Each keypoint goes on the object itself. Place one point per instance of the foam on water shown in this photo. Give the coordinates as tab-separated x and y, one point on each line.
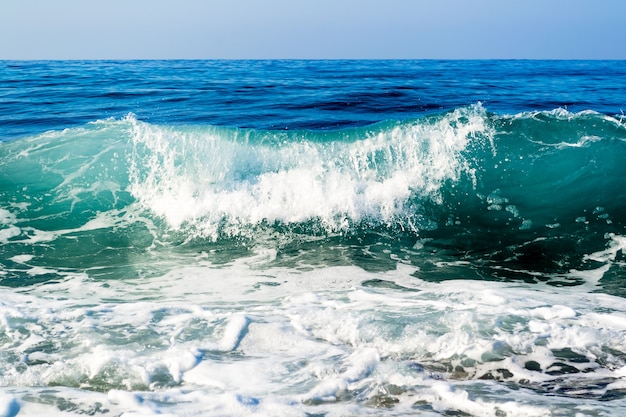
242	341
223	180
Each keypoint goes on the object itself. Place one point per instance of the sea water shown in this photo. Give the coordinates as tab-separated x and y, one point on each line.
312	238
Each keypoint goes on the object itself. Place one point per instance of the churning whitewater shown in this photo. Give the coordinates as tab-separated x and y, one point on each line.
466	259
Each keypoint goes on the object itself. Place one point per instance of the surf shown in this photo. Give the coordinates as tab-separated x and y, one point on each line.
536	192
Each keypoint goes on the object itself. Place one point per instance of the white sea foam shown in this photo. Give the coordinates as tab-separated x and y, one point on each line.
218	341
221	180
616	244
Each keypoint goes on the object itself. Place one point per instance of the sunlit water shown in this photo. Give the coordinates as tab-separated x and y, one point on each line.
312	238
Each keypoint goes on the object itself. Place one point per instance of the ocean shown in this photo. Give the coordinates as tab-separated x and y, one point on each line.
312	238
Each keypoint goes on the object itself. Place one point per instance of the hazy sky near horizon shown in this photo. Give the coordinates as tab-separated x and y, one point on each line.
320	29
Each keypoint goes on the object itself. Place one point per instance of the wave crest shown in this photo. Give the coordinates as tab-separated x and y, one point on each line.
219	180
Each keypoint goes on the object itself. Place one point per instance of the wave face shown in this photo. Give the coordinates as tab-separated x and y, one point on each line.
526	196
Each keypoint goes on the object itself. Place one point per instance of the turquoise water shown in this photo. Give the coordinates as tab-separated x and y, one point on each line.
312	238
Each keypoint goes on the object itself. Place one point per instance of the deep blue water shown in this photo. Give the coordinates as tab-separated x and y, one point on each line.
41	95
312	237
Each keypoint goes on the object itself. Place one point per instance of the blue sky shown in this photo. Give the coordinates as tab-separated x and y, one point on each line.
258	29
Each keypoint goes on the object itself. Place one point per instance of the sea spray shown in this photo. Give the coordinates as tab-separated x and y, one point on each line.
221	180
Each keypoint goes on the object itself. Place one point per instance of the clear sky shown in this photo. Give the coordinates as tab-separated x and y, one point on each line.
212	29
